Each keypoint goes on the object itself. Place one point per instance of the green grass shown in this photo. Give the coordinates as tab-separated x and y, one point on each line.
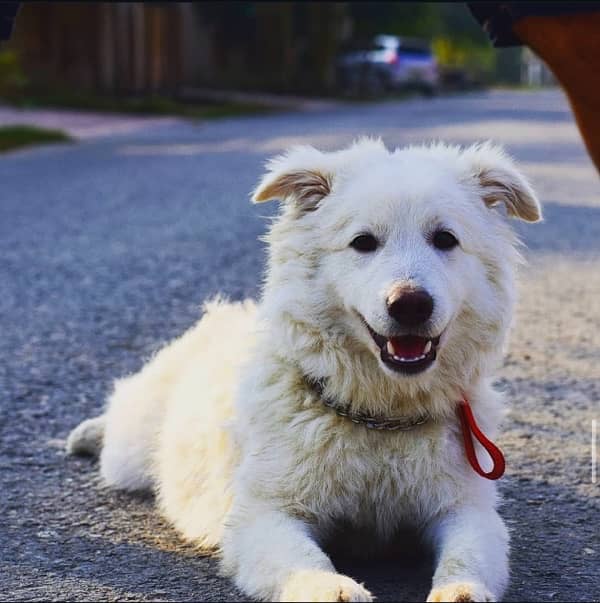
15	137
149	105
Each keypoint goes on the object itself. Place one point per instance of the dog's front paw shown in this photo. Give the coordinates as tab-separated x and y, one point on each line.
460	591
323	586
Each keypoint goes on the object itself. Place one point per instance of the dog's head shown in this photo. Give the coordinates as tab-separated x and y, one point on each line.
405	256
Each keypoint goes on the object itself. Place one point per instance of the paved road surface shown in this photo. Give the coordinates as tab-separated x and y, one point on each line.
80	124
109	246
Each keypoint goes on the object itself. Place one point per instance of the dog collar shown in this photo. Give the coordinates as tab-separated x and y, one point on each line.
469	426
369	421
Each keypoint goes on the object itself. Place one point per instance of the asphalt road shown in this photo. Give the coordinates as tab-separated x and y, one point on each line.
107	249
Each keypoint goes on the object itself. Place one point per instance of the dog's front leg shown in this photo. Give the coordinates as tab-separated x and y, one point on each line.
275	558
472	551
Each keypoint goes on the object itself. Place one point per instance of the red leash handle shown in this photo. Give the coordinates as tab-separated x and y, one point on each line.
470	429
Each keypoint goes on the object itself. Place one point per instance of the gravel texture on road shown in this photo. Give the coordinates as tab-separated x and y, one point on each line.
108	248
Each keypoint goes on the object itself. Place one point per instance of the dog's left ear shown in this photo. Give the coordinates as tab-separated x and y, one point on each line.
501	182
299	177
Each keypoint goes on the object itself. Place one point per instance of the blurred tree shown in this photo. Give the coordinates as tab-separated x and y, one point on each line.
459	24
400	18
325	19
274	55
509	62
462	43
231	28
12	78
278	46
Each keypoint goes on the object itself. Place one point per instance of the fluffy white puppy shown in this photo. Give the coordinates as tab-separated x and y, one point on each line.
388	297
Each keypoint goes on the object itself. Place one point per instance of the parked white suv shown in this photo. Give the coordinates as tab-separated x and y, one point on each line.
387	63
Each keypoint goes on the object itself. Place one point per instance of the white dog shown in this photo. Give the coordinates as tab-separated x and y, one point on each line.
388	298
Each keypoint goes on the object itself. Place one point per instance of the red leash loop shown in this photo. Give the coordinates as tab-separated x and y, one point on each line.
470	429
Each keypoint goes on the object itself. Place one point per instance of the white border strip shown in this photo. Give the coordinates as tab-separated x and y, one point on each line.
594	451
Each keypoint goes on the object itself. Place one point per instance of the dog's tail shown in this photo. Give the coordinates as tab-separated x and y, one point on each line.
87	437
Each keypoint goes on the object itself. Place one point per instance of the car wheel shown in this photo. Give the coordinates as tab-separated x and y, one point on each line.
373	84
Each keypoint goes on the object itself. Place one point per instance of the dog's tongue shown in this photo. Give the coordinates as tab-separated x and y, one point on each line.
408	346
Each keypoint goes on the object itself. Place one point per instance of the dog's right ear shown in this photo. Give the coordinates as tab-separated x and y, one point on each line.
299	177
500	182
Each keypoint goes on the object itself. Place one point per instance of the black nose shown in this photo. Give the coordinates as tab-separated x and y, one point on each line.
410	308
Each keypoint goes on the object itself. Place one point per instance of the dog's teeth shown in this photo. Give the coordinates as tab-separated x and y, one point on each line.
427	347
390	348
402	359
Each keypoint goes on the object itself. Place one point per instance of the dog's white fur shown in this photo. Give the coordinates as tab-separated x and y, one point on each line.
245	458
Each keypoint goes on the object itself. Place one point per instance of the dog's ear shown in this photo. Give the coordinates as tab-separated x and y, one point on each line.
299	177
500	182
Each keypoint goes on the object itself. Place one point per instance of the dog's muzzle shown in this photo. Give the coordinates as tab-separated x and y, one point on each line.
409	354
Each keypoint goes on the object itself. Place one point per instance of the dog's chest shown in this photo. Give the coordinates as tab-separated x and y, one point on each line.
374	479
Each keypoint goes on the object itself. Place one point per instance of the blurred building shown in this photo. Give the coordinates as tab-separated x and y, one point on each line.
123	47
108	47
171	48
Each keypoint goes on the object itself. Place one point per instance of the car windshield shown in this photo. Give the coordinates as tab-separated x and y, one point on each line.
384	42
416	50
362	45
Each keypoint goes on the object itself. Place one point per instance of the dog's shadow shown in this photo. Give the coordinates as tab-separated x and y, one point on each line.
120	546
400	571
134	551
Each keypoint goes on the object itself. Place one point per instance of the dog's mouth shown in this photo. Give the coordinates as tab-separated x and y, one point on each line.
408	354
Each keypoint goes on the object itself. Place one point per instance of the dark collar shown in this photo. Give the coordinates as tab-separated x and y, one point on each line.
369	421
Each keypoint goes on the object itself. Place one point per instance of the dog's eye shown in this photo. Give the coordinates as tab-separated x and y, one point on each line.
444	240
364	243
